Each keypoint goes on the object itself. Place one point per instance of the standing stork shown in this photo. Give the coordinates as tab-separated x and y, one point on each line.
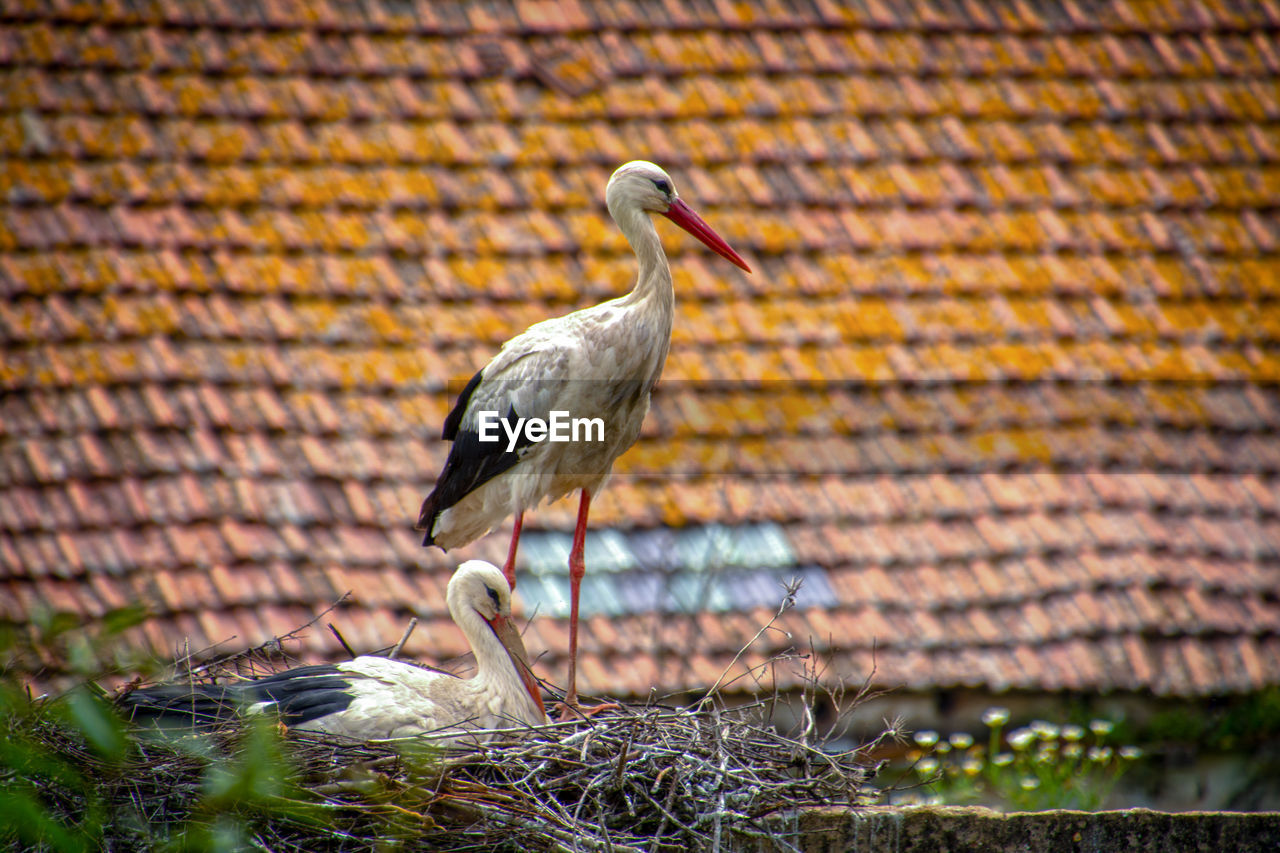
372	697
600	362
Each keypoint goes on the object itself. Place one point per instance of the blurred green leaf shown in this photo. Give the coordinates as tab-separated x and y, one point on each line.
98	722
14	701
53	624
421	757
82	656
123	619
259	774
10	635
23	815
29	759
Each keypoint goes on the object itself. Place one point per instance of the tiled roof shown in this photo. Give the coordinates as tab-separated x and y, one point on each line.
1004	387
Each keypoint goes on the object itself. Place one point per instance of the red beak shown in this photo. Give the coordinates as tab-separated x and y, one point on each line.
683	215
507	634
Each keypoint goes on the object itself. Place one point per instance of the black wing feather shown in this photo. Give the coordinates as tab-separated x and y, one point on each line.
171	704
454	419
471	462
299	695
305	693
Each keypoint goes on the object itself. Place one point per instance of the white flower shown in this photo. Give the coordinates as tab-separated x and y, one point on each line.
927	766
1043	730
971	766
926	738
1030	783
1101	727
1072	750
1021	738
1130	753
1002	759
961	740
995	716
1099	754
1072	732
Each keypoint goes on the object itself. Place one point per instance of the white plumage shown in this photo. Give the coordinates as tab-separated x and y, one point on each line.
370	697
600	362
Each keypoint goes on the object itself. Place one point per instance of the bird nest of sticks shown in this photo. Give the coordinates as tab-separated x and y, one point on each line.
649	777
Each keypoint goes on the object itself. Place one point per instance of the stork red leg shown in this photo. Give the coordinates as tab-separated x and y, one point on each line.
509	567
576	570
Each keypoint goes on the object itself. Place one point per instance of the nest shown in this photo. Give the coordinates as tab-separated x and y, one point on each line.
641	777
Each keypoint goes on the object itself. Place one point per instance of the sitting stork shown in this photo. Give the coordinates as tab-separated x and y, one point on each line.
371	698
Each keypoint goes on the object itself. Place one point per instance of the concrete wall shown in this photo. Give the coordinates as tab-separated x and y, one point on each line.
977	830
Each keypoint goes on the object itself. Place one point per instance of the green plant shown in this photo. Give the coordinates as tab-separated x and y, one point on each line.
1239	723
47	797
72	773
1033	767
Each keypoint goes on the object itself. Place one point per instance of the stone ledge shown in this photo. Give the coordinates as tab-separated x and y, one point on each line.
953	829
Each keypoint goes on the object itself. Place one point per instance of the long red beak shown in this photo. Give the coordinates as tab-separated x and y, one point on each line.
507	634
683	215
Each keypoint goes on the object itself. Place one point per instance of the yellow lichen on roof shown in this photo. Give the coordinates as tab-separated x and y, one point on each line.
873	319
1022	445
867	363
27	180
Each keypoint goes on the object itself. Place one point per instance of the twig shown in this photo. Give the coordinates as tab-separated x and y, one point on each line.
275	642
395	650
342	641
622	756
788	602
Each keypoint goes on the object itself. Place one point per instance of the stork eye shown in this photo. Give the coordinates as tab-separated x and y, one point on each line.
663	186
493	594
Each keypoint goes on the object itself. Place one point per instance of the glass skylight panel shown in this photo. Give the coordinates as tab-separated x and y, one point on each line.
609	551
544	595
713	568
815	589
692	592
547	551
655	549
640	592
715	546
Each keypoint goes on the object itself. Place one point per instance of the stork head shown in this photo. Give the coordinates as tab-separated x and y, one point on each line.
641	185
482	587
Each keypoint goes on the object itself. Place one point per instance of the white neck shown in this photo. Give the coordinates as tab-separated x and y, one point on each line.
491	656
495	670
653	283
